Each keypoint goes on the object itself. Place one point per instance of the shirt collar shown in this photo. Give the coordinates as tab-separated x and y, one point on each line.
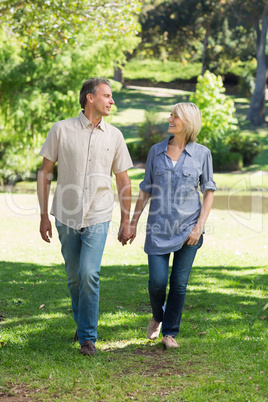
190	148
86	123
163	146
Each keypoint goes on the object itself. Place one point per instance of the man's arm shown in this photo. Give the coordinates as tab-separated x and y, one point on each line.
124	194
43	187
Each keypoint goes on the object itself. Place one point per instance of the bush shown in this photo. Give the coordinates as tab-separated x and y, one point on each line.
217	111
218	122
150	132
224	160
247	146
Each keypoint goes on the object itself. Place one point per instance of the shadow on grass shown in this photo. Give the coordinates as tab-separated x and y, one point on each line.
37	328
35	299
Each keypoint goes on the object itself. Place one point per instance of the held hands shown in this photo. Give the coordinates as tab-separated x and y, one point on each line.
127	232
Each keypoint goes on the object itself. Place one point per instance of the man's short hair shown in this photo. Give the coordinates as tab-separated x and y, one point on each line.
90	86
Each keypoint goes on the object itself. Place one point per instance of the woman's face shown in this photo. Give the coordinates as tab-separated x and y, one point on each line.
176	125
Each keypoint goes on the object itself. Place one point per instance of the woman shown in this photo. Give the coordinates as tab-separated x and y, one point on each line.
174	169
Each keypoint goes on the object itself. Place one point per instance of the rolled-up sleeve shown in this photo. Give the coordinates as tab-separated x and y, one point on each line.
206	180
146	184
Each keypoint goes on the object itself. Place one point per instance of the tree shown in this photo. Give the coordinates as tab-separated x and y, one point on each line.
179	29
57	23
256	113
41	69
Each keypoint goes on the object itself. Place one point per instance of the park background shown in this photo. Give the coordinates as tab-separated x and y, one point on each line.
157	53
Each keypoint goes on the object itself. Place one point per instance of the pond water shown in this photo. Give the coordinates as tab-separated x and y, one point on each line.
252	202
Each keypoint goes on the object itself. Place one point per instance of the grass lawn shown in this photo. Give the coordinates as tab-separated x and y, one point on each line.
223	338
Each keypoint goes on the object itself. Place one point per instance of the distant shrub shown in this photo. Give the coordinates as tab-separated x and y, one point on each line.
224	160
150	132
246	84
218	122
246	72
247	146
217	111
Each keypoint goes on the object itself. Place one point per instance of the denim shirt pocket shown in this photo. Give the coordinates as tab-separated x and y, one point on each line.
159	176
189	182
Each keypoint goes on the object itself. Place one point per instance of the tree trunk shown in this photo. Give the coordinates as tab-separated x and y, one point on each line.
118	75
256	112
205	43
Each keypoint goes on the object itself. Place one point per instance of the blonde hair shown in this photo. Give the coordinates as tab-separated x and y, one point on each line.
191	116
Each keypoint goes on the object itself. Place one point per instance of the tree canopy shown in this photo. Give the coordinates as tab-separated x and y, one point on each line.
47	49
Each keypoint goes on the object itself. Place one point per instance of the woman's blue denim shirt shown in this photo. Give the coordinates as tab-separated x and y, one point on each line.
175	203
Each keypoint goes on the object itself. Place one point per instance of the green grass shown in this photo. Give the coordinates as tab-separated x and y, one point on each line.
157	70
221	356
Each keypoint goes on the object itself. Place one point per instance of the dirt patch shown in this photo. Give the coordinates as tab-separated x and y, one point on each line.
15	393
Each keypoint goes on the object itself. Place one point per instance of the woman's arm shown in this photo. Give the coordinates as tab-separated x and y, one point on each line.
139	207
195	234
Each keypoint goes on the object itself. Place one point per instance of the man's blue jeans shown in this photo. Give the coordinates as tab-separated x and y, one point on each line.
82	252
170	313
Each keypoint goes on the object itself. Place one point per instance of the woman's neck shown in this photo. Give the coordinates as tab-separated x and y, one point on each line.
178	142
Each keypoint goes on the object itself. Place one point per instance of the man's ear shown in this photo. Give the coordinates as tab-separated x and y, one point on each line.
89	98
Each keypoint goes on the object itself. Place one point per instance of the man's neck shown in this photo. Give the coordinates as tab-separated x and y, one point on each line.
95	120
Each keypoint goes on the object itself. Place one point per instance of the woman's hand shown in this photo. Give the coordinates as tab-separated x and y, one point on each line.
194	236
134	231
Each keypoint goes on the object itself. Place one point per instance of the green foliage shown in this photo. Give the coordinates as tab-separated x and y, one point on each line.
218	120
224	160
43	25
247	146
196	30
151	132
41	71
217	111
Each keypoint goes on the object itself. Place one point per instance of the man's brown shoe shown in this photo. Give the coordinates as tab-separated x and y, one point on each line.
88	348
169	342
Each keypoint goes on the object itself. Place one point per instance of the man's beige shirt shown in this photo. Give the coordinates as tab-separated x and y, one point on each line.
86	158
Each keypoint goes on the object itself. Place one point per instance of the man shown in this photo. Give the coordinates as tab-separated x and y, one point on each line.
87	150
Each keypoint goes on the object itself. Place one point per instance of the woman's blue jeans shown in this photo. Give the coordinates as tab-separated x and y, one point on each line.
82	252
170	312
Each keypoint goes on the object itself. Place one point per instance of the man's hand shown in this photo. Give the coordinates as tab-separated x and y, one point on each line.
125	233
45	228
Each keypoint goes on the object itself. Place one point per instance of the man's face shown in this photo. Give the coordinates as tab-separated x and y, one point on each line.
102	101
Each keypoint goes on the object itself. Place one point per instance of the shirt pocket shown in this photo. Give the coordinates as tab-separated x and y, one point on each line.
159	177
189	181
107	155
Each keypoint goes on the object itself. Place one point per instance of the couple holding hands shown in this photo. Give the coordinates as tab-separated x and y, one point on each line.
88	150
